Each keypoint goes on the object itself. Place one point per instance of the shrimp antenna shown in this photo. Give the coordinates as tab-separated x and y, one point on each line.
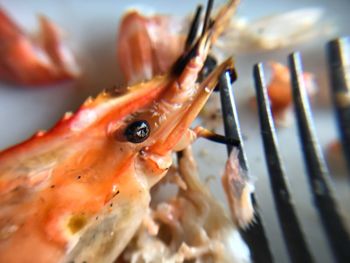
182	61
207	16
194	28
214	137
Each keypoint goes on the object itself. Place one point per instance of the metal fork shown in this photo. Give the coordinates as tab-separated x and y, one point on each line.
317	172
339	68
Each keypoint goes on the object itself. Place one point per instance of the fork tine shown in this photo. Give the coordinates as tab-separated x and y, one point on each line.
293	235
255	235
194	28
317	171
339	71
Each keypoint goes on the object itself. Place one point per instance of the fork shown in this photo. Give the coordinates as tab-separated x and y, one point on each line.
317	172
339	68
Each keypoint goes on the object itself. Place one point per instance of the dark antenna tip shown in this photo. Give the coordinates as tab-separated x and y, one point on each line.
207	16
194	28
233	75
190	53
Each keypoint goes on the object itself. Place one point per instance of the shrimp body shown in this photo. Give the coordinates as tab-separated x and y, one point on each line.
78	192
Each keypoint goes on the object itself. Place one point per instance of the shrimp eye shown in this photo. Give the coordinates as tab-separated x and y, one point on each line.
137	132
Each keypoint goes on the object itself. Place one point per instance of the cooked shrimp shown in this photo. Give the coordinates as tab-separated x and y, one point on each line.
80	191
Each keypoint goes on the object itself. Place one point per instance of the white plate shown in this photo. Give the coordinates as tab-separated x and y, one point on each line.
92	27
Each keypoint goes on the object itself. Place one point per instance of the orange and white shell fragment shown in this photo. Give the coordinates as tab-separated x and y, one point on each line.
148	46
28	62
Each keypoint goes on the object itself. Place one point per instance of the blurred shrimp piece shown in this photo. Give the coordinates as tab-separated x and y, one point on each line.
275	31
26	62
148	45
238	191
335	157
280	92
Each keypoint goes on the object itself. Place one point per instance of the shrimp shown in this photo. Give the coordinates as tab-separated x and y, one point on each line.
27	63
79	192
